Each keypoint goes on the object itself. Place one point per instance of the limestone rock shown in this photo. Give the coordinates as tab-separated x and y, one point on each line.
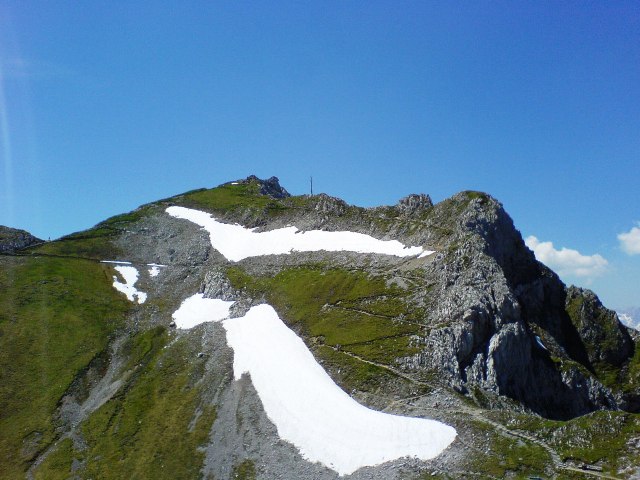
414	202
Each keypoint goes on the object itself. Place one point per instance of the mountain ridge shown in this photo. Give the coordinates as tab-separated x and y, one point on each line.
479	324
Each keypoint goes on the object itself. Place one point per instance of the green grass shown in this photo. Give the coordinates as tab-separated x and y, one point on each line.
245	470
56	315
600	437
57	466
227	198
508	455
625	379
150	428
338	312
351	373
339	308
632	377
95	243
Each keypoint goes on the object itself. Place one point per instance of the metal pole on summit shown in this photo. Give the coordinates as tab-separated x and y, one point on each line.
311	179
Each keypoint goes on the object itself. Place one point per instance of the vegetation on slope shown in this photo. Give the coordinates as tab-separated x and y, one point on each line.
227	198
613	353
604	438
56	315
97	243
505	455
153	427
245	470
344	316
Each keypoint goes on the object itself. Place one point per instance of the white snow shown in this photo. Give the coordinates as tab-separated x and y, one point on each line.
307	407
119	262
197	309
236	242
155	269
130	275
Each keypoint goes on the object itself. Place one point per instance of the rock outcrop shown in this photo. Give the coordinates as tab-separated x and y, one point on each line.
414	202
270	186
507	327
12	239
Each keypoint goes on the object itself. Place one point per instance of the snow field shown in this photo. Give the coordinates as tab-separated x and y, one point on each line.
307	407
130	276
236	242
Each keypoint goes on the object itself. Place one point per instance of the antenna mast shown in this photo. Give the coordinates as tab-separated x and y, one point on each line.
311	180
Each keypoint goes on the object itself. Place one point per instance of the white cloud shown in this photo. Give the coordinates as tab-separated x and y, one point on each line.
567	261
630	241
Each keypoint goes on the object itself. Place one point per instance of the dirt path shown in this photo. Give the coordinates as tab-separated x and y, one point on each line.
478	414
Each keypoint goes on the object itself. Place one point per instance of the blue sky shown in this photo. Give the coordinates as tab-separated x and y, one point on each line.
108	105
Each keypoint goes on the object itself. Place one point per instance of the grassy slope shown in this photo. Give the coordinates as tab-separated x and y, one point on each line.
226	198
97	242
601	437
341	311
55	316
58	311
153	427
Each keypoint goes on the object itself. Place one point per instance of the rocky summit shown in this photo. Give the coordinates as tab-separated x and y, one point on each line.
240	332
12	239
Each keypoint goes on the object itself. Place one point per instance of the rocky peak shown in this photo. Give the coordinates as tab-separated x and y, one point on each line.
12	239
496	235
270	186
327	204
414	202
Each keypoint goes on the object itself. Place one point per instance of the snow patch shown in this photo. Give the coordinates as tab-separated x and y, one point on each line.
197	309
119	262
307	407
155	269
236	242
130	275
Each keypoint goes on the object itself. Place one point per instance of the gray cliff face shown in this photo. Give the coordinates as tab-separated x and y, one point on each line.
12	239
506	328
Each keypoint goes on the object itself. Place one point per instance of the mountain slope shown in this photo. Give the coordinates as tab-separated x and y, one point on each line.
477	335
